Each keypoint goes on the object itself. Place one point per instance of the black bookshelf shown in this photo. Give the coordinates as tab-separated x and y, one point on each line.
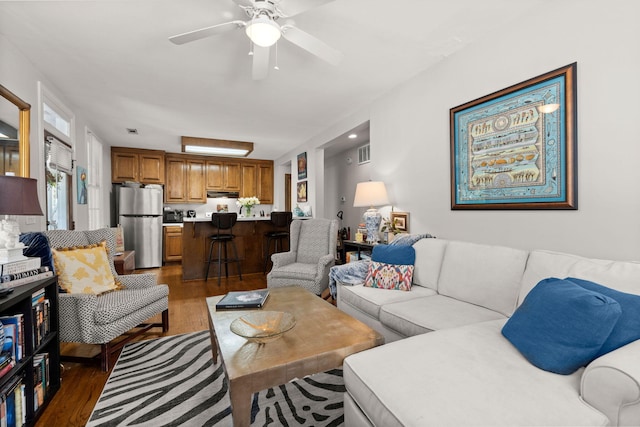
20	301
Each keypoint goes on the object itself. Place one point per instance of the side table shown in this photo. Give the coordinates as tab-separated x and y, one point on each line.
353	245
125	263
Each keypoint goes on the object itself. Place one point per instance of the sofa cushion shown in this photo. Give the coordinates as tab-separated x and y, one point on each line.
561	326
116	305
403	255
429	255
84	269
389	276
451	378
618	275
426	314
627	329
369	300
296	270
488	276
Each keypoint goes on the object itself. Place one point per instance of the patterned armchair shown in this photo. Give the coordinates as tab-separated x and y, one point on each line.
92	319
312	253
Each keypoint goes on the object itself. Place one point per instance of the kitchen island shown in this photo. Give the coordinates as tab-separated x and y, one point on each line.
250	241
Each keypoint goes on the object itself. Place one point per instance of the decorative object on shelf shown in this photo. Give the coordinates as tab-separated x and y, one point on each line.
247	203
302	165
516	148
263	326
371	193
18	196
297	211
301	190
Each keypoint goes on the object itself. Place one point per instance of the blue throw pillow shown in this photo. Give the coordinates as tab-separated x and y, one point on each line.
404	255
628	327
561	326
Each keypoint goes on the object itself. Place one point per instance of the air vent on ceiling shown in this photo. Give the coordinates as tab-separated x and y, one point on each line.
132	131
364	154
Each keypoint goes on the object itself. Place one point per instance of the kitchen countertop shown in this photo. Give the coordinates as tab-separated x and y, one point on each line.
240	218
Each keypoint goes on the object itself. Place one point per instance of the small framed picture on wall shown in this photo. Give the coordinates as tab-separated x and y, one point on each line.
301	191
302	166
400	221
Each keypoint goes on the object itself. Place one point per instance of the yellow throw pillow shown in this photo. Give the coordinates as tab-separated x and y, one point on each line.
84	269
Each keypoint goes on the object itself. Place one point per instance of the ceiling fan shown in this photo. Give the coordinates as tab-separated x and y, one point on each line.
264	31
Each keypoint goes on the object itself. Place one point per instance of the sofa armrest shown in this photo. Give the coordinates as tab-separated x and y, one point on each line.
76	316
138	280
281	259
611	384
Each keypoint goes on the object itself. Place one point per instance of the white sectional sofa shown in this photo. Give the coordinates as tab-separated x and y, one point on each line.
446	363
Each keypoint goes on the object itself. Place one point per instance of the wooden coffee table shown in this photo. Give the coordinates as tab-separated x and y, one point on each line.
322	338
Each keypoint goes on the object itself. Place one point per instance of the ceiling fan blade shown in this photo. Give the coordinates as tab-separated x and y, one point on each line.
294	7
260	62
206	32
312	44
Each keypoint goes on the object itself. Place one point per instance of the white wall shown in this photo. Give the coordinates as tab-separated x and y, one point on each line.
21	77
340	180
410	130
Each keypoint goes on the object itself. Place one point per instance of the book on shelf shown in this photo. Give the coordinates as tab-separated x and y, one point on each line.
243	299
12	398
15	276
13	267
26	280
14	327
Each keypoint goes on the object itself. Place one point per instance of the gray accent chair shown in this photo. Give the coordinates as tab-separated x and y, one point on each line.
312	253
92	319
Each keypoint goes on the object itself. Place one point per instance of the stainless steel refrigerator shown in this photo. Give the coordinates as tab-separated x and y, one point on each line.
140	215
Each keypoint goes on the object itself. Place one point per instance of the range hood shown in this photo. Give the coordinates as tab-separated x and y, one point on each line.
218	194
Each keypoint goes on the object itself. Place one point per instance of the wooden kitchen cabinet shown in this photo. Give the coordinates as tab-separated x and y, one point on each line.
172	243
139	165
257	180
185	179
223	175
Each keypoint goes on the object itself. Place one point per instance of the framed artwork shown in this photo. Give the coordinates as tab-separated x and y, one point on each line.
302	165
82	185
516	148
401	221
301	191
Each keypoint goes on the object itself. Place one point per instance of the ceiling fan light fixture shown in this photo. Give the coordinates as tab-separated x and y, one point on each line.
263	31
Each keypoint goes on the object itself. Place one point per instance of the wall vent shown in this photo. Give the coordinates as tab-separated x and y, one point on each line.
132	131
364	154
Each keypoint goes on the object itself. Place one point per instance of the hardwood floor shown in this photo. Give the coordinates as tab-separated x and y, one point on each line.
82	383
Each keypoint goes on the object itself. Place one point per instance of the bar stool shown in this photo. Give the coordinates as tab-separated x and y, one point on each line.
223	222
279	220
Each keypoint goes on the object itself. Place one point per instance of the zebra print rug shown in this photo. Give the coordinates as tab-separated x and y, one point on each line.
172	381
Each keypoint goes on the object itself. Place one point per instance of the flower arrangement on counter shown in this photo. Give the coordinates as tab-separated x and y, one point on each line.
247	203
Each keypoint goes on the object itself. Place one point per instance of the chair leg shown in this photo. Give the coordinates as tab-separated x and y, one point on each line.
219	263
206	277
165	321
266	255
237	258
226	261
105	356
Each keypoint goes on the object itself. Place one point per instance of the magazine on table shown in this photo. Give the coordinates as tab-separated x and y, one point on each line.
243	299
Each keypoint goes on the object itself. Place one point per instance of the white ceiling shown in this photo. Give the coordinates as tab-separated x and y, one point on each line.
112	62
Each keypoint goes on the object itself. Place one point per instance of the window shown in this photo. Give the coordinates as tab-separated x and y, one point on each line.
57	120
58	170
58	123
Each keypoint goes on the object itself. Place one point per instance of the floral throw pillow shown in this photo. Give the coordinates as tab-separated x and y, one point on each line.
84	269
389	276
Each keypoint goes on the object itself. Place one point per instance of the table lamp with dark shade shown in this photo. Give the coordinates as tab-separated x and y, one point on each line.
18	196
